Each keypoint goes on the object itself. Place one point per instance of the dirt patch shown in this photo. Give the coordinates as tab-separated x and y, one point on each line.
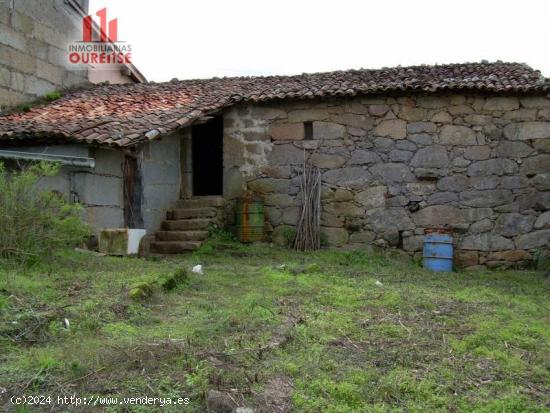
29	323
276	396
236	375
416	339
148	355
120	310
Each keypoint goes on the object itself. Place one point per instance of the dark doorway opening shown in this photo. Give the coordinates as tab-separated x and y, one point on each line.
207	150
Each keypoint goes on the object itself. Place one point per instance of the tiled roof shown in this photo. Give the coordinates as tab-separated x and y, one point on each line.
123	115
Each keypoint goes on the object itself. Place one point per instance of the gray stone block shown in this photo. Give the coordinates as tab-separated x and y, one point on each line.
535	239
327	161
457	135
392	173
514	224
484	182
485	225
501	103
335	236
535	165
269	185
374	197
387	219
487	198
286	154
393	128
442	198
432	157
328	130
438	215
350	177
419	127
363	157
542	181
486	242
543	221
400	156
476	214
477	153
513	150
454	183
527	130
493	167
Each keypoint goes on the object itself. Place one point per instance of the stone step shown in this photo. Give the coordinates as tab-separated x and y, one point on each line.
186	224
185	213
174	247
181	235
200	202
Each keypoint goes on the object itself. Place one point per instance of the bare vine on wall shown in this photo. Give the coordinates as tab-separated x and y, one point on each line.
308	229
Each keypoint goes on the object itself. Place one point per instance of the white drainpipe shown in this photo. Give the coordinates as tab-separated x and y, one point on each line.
75	161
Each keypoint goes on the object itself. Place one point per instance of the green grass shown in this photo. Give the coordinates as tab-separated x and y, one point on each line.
261	316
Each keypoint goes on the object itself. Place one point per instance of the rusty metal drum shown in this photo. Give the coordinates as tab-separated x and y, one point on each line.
249	220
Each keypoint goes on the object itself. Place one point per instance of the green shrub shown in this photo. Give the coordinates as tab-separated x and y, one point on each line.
35	223
179	277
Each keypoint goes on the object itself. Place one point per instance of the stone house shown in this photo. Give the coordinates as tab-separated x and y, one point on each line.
400	149
33	51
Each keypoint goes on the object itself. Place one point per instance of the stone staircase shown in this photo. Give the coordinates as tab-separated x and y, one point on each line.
186	226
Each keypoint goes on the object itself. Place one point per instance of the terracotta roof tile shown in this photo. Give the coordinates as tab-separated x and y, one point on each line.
123	115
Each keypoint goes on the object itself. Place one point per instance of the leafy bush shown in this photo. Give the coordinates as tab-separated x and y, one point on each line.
35	223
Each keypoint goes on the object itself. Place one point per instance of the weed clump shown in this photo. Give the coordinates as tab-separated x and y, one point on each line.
145	290
142	291
50	97
179	277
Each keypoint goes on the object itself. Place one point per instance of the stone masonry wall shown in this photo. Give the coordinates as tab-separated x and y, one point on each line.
33	46
392	166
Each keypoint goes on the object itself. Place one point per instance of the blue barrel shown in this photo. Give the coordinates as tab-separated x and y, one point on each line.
438	252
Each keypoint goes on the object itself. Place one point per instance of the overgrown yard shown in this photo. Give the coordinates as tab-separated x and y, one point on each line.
276	331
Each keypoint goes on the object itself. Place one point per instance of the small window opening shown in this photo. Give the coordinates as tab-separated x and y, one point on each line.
308	130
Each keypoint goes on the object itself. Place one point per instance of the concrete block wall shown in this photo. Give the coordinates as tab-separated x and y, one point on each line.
161	179
33	46
99	190
392	166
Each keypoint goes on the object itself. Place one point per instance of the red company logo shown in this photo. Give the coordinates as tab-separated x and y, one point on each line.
99	44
